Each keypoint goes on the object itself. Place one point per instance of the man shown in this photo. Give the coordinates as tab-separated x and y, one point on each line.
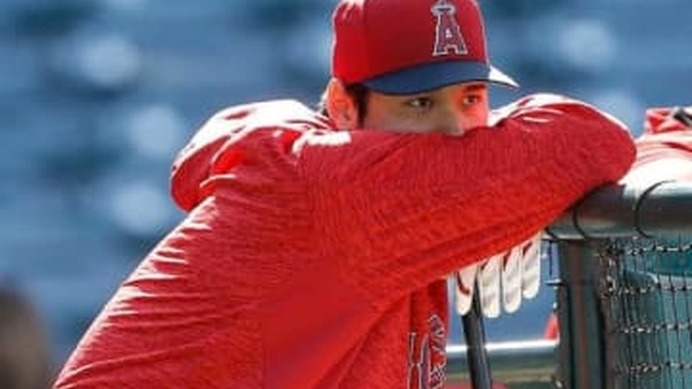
316	248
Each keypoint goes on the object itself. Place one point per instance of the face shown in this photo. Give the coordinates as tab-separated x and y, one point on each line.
451	110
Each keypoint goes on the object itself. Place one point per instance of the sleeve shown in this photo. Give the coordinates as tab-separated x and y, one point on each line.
399	211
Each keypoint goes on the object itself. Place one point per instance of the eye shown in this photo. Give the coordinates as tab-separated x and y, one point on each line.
471	99
422	103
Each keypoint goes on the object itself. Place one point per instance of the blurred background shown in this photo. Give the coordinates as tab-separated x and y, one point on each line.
97	96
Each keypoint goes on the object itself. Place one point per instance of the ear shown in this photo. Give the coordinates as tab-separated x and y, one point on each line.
340	106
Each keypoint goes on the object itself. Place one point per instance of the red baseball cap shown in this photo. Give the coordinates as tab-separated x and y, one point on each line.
411	46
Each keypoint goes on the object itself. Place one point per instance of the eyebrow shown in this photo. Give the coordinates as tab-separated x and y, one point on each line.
476	87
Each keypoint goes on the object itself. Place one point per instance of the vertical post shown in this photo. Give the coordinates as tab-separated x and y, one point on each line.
476	354
582	353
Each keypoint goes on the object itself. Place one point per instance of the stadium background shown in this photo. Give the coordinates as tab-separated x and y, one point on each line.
97	96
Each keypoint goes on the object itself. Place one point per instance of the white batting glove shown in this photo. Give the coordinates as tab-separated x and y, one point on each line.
504	280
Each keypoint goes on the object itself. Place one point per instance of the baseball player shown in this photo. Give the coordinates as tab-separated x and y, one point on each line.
316	247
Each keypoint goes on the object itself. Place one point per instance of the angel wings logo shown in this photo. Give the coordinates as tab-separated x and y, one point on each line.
448	37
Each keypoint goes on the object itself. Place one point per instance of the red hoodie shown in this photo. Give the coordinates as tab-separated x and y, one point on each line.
313	258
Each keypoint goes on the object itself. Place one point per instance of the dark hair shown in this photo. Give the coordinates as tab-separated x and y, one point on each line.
359	93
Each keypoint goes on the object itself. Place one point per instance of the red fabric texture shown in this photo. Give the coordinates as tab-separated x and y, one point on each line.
313	258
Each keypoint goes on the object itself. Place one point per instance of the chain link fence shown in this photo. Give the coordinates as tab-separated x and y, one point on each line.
647	300
625	289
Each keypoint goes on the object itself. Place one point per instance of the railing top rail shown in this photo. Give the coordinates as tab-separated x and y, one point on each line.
657	210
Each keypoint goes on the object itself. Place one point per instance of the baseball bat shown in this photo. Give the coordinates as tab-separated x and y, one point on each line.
476	354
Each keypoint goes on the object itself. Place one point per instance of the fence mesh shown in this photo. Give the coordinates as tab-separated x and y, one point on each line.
646	300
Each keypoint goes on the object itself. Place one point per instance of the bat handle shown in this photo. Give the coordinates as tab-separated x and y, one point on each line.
476	354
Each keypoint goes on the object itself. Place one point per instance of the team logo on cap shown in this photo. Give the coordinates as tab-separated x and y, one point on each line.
448	38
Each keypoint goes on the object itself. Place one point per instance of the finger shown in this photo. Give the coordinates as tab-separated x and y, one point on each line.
511	279
531	267
489	286
464	290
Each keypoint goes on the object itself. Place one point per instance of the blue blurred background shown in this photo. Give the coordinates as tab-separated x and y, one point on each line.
97	96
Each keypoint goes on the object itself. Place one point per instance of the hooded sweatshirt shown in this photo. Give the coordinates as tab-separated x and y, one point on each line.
316	258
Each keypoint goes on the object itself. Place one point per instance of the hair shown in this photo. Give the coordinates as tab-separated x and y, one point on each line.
359	93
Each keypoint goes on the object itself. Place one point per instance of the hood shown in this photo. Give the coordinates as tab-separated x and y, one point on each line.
215	148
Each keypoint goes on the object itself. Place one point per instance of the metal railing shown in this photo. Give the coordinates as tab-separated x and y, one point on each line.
624	292
523	364
624	295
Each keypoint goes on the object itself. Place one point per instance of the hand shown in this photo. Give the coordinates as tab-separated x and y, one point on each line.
503	280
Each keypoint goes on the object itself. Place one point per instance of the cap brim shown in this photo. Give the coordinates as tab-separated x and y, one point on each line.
437	75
